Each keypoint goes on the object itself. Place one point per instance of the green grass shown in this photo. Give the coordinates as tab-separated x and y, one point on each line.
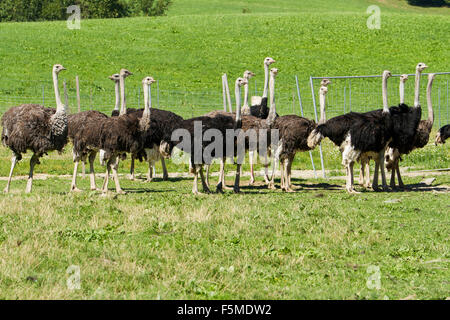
160	241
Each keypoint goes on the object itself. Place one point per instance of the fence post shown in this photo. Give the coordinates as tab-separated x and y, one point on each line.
439	104
78	93
315	114
345	88
224	95
157	92
66	98
301	111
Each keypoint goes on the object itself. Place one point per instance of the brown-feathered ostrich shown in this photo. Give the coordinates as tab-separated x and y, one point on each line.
198	147
259	107
442	135
85	134
421	138
368	134
253	128
293	137
36	128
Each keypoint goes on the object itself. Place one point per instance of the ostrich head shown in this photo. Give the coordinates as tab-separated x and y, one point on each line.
125	73
323	90
148	80
421	66
248	75
274	72
403	78
387	74
115	77
57	68
268	61
325	83
241	82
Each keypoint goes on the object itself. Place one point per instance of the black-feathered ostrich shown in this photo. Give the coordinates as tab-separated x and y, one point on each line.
442	135
293	137
364	173
36	128
162	122
421	138
119	135
368	134
223	122
259	107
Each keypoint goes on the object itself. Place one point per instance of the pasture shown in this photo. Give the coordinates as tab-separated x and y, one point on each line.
161	242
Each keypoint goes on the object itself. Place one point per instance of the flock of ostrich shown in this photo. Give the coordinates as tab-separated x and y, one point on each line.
146	134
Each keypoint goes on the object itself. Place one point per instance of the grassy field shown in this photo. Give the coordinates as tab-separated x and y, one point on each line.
160	241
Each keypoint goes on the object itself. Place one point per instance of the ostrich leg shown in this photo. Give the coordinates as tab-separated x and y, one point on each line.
73	187
131	168
392	182
91	170
165	173
106	180
13	164
33	161
236	188
400	181
204	185
252	169
289	172
114	168
195	186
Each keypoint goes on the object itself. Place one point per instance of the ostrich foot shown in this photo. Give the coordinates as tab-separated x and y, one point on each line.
121	192
131	177
149	180
219	188
352	190
6	190
236	190
271	186
165	177
252	181
266	180
74	189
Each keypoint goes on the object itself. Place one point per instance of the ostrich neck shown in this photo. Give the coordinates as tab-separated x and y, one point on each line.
429	102
417	89
123	107
273	109
385	98
323	117
246	95
266	80
117	90
237	91
146	106
402	92
59	106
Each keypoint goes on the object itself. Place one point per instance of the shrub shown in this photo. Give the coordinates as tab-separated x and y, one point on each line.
36	10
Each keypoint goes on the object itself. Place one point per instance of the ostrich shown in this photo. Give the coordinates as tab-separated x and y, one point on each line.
259	104
245	107
85	134
116	78
421	138
252	124
119	135
442	134
293	134
364	174
222	122
36	128
368	134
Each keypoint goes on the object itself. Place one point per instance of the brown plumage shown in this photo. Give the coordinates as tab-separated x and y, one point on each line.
35	128
85	132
